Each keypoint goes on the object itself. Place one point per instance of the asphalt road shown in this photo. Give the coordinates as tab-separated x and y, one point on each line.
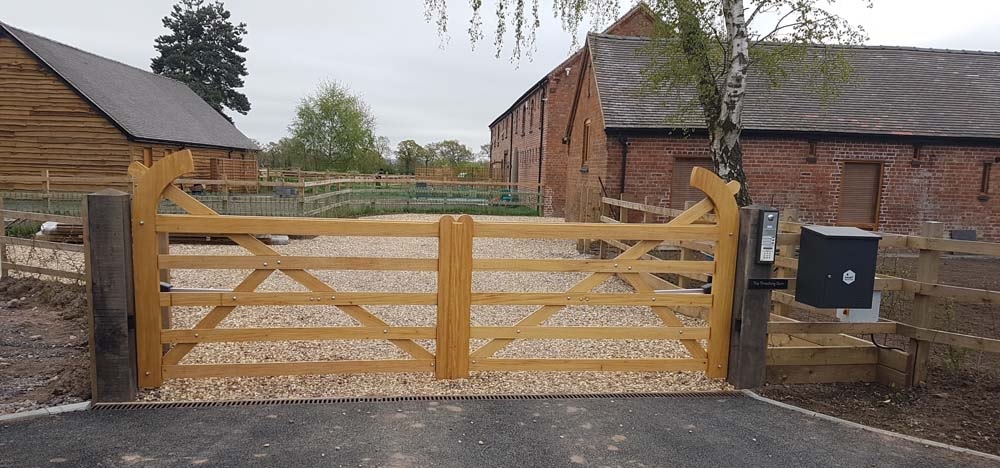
716	431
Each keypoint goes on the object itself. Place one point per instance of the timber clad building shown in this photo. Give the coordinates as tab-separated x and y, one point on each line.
74	113
912	138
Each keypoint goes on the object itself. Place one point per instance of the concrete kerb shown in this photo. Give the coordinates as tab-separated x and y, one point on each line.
50	411
876	430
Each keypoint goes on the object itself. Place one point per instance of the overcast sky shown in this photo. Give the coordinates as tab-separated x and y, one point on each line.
385	51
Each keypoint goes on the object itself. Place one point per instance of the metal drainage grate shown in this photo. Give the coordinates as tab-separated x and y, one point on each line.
382	399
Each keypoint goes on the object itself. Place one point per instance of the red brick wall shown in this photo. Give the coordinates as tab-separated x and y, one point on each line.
559	92
944	187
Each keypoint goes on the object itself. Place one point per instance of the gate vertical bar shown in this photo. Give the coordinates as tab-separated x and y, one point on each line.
454	306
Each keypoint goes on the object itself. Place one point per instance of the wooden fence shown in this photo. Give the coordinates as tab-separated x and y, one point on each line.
8	264
452	356
832	351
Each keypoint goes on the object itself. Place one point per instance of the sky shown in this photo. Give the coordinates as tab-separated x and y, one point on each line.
417	87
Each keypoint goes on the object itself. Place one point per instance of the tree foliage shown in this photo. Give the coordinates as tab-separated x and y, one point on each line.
707	46
336	131
409	154
204	50
451	153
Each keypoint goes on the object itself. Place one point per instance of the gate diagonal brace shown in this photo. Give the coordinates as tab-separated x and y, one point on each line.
635	252
192	206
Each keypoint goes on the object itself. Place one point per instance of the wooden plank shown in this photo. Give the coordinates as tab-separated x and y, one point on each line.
454	297
926	242
957	293
831	328
278	262
608	266
200	224
893	359
592	333
268	369
596	231
219	335
975	343
595	299
821	374
42	217
45	271
890	377
593	365
315	298
41	244
820	355
111	296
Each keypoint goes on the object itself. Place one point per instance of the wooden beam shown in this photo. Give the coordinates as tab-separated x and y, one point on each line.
607	266
267	369
789	328
974	343
219	335
199	224
186	299
596	231
454	297
279	262
820	355
821	374
592	333
594	365
595	299
928	264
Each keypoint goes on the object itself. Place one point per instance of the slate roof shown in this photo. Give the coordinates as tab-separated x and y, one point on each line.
143	104
895	91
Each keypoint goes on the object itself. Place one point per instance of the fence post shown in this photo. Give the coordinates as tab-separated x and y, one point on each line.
454	314
751	307
923	306
110	287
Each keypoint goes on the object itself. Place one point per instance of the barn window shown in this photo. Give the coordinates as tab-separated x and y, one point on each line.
586	143
984	185
524	117
860	190
532	118
681	190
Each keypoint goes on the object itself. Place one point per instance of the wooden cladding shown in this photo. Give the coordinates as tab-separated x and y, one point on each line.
860	190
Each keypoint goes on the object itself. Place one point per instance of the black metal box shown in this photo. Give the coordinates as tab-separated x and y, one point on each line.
836	267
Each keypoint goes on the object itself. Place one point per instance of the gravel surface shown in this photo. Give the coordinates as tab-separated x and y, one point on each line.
412	383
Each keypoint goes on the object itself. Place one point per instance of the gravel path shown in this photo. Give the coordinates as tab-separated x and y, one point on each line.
405	384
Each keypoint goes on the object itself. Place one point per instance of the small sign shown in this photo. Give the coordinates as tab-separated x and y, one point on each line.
769	283
849	276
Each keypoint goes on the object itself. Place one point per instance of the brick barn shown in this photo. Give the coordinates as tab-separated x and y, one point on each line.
77	114
912	138
526	140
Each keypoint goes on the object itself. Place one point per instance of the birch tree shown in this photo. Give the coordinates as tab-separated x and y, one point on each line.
705	45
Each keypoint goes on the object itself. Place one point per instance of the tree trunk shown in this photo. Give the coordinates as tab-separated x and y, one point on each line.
727	154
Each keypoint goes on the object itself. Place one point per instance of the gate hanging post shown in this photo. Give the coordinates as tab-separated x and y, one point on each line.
108	251
454	301
751	307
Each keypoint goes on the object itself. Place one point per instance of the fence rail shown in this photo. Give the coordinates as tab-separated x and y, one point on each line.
8	264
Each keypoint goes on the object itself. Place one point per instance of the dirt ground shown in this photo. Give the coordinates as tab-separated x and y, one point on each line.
960	402
43	344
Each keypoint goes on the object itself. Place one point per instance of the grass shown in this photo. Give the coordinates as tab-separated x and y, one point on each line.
445	209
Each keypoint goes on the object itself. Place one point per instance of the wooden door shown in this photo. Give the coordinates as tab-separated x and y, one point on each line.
680	184
860	190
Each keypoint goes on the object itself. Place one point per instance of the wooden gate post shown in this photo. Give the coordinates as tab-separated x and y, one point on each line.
108	238
923	305
751	307
454	302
